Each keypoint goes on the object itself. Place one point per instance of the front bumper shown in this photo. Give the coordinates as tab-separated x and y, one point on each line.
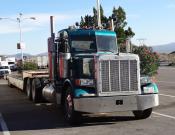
116	103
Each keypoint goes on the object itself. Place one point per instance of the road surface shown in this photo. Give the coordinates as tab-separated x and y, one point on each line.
19	116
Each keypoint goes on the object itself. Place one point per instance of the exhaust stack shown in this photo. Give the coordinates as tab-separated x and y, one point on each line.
112	24
52	29
98	13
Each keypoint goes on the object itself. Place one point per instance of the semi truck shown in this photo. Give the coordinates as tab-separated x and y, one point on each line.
87	74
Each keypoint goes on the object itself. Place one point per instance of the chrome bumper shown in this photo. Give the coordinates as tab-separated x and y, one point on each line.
116	103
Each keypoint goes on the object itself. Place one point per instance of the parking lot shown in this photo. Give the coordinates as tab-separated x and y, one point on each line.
19	116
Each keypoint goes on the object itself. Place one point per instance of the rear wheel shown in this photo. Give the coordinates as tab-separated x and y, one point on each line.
142	114
28	88
71	116
36	90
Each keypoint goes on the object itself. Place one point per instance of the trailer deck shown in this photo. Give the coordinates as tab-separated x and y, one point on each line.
17	79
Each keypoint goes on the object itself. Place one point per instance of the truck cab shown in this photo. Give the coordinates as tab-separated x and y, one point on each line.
4	69
89	75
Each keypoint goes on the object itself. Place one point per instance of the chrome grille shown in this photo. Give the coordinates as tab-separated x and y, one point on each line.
133	74
114	75
105	76
124	75
118	75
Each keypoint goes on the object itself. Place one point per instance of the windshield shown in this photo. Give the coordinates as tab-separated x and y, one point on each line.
11	63
107	44
83	44
4	67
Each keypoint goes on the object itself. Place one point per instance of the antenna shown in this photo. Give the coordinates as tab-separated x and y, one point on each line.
98	13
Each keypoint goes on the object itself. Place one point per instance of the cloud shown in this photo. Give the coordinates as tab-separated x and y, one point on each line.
42	21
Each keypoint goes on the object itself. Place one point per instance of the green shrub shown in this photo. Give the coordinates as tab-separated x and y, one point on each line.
149	60
30	66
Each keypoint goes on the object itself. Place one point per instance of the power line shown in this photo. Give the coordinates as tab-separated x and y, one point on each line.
141	41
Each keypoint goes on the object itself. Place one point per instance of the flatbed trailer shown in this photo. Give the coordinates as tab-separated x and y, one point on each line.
20	80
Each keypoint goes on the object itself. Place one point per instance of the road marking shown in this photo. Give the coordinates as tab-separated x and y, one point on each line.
167	95
3	125
172	68
166	82
164	115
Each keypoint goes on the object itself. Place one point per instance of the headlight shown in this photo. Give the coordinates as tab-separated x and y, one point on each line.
83	93
151	88
84	82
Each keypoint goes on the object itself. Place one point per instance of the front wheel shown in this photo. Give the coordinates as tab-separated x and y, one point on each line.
71	116
142	114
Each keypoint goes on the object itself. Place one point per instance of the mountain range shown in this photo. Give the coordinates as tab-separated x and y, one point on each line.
166	48
18	55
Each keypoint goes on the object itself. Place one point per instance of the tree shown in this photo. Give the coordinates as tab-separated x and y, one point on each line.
91	21
119	16
87	21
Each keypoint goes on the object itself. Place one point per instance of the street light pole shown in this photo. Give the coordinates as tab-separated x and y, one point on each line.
20	36
19	20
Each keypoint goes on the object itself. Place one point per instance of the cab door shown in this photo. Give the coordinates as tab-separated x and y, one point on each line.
63	54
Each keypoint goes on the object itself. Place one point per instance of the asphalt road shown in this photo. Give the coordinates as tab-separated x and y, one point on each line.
19	116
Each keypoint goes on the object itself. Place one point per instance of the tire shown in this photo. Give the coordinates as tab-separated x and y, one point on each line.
142	114
9	84
36	91
28	88
5	77
71	116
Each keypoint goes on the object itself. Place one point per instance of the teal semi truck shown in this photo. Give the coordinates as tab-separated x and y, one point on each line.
87	74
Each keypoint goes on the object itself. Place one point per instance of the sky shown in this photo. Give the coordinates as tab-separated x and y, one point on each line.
152	20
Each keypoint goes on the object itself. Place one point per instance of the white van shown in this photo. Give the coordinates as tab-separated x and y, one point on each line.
4	69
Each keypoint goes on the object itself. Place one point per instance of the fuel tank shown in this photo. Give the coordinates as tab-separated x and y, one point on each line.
49	93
